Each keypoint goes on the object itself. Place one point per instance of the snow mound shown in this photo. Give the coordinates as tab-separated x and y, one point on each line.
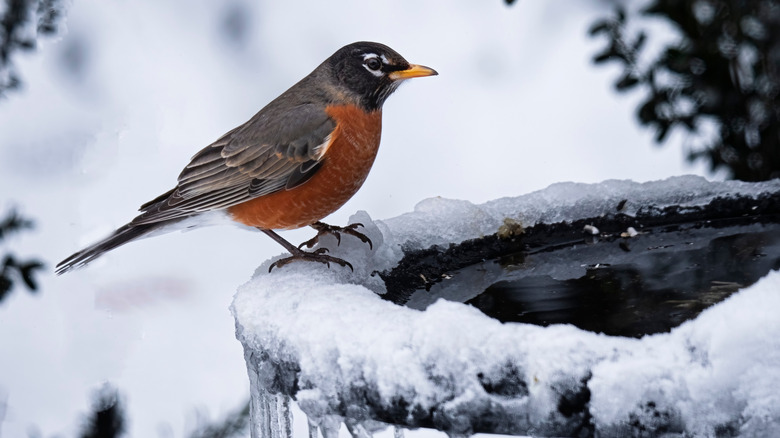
439	221
324	337
337	348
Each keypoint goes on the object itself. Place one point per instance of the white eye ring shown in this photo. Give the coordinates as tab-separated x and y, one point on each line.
373	64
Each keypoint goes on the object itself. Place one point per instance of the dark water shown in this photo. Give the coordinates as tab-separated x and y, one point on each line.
650	293
625	286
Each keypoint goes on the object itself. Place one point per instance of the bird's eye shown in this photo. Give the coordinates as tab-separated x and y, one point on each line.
373	64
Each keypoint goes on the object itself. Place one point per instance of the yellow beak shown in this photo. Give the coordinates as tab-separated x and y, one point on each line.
414	71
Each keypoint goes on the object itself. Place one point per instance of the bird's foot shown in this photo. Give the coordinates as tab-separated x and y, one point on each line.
314	256
323	229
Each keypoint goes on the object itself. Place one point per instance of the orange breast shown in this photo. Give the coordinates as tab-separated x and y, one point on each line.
346	165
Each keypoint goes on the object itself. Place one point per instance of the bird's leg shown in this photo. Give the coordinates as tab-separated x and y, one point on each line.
323	228
299	254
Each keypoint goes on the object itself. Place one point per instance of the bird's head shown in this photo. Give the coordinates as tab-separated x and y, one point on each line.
372	71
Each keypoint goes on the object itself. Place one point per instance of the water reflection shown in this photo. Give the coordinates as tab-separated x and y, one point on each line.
627	287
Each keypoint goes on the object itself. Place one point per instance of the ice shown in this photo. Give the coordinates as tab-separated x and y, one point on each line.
271	414
324	336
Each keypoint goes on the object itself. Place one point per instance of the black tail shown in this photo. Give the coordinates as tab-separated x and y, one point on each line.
118	238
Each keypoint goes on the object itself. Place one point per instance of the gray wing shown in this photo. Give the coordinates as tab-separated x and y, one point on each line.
264	155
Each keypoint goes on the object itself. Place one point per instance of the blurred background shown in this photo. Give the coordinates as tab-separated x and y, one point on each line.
103	102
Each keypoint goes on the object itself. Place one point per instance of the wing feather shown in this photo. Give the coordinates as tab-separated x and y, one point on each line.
209	155
257	158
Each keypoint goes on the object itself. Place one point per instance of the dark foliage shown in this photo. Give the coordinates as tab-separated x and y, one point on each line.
234	425
723	70
107	419
13	223
21	21
11	268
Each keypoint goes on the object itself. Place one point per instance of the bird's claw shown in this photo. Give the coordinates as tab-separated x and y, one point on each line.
319	254
323	228
314	256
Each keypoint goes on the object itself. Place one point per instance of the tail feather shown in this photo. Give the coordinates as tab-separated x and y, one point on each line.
118	238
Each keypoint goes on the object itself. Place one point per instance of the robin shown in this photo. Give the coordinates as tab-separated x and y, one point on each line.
293	163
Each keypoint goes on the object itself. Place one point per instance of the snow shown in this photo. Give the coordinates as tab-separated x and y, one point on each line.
630	232
590	229
439	221
343	343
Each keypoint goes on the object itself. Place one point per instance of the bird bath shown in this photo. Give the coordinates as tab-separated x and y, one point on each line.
617	319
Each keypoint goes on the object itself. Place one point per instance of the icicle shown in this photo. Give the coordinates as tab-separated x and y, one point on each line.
357	429
398	432
271	417
313	428
330	425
